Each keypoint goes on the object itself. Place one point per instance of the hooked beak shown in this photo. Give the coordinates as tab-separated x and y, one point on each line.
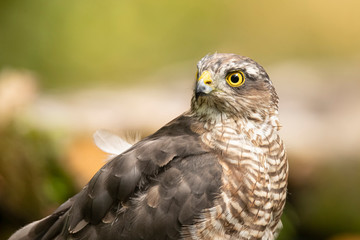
204	84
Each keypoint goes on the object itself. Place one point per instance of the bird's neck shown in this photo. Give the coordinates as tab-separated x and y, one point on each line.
253	130
255	121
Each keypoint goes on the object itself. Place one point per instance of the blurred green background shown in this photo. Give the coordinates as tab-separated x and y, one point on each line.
68	68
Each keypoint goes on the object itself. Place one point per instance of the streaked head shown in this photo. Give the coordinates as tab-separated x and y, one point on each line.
233	85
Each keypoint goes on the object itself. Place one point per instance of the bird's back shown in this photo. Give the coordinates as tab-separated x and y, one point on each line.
149	192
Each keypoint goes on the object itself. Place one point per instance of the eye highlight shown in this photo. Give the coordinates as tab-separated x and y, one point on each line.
235	79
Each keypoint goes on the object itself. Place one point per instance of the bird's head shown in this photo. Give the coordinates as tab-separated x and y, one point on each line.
232	86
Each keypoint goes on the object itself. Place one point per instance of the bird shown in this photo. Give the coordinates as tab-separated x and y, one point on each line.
217	171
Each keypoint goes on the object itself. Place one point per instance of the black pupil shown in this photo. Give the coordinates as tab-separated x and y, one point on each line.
235	78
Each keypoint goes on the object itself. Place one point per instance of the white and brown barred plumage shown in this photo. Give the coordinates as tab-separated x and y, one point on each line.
218	171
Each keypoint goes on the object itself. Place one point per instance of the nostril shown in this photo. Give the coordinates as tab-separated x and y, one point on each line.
208	82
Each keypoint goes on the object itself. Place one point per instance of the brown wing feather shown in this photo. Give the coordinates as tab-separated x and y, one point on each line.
148	192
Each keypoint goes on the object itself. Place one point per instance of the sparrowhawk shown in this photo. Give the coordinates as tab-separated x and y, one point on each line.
218	171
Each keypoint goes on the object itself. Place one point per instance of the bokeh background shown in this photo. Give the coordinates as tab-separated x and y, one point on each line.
68	68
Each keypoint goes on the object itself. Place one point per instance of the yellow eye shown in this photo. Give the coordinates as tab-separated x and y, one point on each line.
235	79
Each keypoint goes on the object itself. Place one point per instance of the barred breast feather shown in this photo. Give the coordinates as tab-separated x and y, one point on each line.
254	182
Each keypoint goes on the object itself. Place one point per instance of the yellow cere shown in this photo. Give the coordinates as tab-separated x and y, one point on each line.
235	79
205	77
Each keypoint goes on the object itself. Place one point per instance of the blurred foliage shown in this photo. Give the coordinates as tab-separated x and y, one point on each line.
32	181
76	43
327	203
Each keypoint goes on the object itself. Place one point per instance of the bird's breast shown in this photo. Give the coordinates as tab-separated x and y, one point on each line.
253	182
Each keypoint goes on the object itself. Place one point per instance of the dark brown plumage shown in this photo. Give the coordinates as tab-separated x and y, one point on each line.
219	171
